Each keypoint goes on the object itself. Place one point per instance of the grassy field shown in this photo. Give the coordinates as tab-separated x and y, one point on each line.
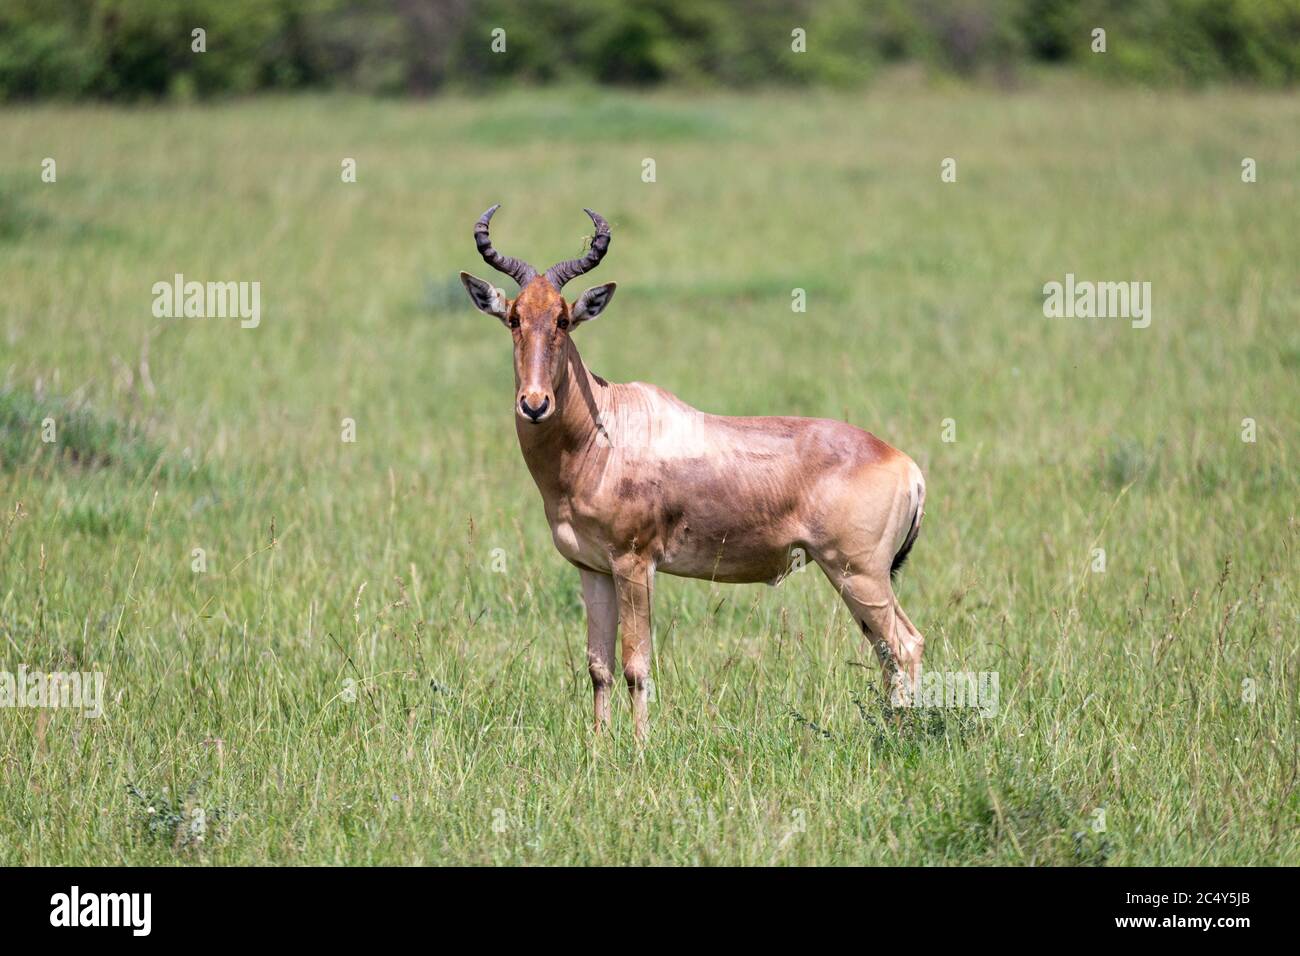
354	680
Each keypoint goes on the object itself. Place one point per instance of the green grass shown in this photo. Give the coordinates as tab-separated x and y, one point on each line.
370	565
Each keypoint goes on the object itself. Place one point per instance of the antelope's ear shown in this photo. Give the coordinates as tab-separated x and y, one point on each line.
592	302
485	296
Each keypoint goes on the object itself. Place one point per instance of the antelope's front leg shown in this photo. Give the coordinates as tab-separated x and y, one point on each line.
633	581
602	629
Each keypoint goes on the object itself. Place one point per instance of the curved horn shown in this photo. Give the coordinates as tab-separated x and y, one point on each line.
516	269
562	272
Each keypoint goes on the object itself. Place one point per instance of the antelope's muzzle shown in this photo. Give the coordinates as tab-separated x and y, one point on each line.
535	406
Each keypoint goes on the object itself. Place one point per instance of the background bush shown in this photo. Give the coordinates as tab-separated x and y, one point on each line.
131	49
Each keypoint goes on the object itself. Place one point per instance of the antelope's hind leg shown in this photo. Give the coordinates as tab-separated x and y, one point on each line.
898	644
599	596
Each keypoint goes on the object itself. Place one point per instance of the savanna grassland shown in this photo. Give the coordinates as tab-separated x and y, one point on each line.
384	660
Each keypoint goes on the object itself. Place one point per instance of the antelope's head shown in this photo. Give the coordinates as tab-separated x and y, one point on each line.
539	319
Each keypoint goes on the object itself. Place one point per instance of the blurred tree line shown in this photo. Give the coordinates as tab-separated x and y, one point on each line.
130	49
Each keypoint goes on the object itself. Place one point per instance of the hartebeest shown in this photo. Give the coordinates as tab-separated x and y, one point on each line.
636	481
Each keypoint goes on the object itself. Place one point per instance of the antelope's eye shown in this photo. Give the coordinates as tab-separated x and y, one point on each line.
564	323
514	323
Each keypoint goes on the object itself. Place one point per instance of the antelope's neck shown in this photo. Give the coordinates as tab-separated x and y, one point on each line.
556	449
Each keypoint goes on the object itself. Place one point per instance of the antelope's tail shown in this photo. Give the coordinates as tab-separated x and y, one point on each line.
918	512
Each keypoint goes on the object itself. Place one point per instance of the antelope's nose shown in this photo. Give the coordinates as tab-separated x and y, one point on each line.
534	405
